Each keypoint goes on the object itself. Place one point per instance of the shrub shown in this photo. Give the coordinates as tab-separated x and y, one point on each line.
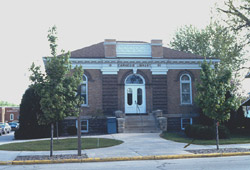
72	130
206	132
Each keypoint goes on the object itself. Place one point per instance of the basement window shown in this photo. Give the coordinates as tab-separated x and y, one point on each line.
84	126
185	122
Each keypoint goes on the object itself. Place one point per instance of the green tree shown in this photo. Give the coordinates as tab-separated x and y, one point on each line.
214	94
238	16
57	87
214	41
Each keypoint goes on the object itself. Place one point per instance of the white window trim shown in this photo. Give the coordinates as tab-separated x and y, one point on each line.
11	116
190	85
191	122
86	82
83	131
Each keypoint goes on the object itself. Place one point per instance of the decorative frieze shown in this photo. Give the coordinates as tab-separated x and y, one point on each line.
157	66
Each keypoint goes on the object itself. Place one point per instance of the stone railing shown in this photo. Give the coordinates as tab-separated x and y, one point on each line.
120	116
161	120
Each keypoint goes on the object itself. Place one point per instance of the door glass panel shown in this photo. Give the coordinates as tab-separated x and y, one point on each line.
129	96
139	96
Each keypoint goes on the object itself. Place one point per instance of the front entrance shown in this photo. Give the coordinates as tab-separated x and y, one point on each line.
135	100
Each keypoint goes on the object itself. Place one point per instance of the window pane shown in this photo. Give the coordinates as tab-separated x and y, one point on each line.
134	79
185	88
84	78
186	98
139	96
129	96
185	122
84	125
84	97
84	89
185	78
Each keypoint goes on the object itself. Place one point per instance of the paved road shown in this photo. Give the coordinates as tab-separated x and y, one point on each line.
222	163
6	138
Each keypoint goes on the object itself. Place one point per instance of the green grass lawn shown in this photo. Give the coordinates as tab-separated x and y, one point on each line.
61	144
181	137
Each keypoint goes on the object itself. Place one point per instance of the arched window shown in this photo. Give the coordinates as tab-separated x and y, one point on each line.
134	79
84	89
186	89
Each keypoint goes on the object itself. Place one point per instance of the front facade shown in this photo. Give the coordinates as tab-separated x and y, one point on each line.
137	78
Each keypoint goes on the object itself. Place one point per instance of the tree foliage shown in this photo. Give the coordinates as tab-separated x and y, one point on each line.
57	88
238	16
5	103
214	41
214	95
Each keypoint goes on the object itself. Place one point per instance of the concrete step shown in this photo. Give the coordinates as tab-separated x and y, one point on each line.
140	124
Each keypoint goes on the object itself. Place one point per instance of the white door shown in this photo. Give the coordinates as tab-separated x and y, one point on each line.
135	99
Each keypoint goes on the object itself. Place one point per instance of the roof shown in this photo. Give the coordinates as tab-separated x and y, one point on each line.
246	102
93	51
97	51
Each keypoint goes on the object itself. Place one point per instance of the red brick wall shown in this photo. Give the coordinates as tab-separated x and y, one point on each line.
1	114
94	92
174	101
172	92
9	111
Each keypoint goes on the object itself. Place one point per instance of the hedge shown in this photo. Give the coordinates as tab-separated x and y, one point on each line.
206	132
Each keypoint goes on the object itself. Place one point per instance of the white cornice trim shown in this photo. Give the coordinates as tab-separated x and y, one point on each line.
157	66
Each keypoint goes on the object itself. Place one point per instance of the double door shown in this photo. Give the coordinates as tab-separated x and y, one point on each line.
135	100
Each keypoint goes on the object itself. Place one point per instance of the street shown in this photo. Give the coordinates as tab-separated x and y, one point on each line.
231	163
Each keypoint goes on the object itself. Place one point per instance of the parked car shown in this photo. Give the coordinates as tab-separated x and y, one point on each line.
6	128
1	131
14	125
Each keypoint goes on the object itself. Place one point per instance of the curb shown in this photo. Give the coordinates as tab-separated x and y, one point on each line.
111	159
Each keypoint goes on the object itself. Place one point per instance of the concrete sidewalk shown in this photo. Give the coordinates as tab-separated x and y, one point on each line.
136	145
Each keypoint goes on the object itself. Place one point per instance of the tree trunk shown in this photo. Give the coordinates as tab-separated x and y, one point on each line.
57	131
79	135
217	134
51	139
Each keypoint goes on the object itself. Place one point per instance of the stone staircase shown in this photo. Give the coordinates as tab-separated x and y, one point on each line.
141	124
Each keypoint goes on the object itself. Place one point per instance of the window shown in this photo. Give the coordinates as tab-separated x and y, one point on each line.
84	126
84	90
185	122
134	79
11	116
186	89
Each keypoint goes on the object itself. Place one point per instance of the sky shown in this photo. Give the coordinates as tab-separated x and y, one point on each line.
80	23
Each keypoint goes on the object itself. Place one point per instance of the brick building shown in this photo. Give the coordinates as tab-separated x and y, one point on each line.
136	79
9	114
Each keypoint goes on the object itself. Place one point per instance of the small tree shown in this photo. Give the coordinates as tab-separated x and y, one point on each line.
57	88
214	95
